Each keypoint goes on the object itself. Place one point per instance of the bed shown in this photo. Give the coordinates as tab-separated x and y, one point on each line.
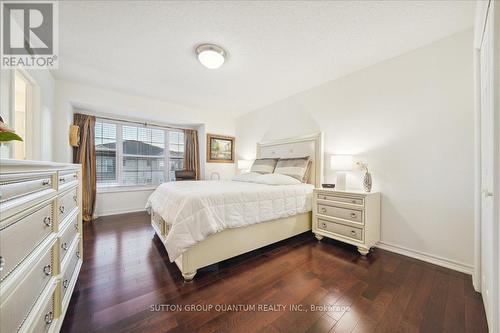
242	216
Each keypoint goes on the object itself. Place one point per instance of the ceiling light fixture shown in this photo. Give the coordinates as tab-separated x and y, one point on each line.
210	55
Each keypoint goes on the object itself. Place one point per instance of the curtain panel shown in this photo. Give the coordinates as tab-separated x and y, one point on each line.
84	154
192	152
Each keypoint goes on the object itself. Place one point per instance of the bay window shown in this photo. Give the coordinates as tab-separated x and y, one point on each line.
129	154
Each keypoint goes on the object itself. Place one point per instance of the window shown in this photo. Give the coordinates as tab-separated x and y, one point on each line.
176	146
129	154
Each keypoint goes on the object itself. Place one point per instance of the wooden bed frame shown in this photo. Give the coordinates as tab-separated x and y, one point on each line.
232	242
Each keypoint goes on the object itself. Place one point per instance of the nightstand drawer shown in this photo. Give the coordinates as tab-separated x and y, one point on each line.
343	213
329	197
340	229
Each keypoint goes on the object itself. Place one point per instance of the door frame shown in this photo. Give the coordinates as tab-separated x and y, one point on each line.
485	11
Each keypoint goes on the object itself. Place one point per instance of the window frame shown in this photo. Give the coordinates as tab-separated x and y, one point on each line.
119	185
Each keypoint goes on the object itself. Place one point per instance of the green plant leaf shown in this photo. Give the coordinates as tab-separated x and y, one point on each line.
9	136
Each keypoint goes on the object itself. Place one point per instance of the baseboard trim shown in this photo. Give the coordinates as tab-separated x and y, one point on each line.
430	258
119	211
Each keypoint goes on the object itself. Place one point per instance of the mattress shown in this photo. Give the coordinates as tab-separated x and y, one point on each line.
195	210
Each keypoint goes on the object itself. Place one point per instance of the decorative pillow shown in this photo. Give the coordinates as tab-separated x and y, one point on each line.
264	165
276	179
298	168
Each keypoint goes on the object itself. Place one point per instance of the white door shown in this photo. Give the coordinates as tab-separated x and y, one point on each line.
489	256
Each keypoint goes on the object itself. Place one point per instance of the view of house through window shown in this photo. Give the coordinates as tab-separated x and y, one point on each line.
130	154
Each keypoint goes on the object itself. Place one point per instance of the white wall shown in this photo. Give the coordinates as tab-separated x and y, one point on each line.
411	118
71	96
43	92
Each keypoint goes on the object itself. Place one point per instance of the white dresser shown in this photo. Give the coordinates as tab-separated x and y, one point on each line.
40	243
349	216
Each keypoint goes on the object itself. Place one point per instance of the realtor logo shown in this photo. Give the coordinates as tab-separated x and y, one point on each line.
29	33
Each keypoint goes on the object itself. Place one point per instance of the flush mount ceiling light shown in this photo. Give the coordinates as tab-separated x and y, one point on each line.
210	55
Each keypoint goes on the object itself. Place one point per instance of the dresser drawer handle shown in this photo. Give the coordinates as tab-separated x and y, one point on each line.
47	269
64	246
353	232
2	263
76	226
353	201
45	182
77	254
353	214
62	180
323	210
323	225
49	317
323	197
75	198
61	209
48	221
65	284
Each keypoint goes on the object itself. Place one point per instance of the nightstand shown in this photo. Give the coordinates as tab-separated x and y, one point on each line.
348	216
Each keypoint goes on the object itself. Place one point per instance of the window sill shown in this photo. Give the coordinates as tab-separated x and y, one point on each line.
121	188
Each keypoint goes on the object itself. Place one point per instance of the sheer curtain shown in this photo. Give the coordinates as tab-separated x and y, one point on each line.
84	154
192	152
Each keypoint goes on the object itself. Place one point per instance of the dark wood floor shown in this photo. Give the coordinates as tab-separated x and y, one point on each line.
126	271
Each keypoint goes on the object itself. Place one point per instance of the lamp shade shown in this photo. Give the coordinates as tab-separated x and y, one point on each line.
244	164
341	162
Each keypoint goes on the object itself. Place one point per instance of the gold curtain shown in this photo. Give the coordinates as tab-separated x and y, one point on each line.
84	154
192	152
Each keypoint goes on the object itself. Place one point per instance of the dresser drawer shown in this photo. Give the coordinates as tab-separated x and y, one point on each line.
67	203
340	229
18	305
68	235
68	274
67	178
20	236
45	318
343	213
15	186
349	200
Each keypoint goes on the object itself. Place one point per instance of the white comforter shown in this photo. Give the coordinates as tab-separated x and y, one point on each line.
195	210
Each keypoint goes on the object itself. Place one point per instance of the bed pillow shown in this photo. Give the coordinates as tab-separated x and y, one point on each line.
298	168
264	165
276	179
246	177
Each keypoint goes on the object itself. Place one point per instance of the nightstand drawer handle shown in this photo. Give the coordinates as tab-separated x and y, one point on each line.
64	246
75	198
49	317
65	283
353	214
77	254
48	221
323	225
353	201
47	270
323	210
61	209
323	197
353	232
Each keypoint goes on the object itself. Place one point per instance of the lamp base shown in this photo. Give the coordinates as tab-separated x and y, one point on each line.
340	185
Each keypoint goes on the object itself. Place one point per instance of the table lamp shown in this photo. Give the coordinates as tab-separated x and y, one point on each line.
341	164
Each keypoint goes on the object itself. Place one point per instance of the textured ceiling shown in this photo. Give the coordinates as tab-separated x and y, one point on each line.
276	48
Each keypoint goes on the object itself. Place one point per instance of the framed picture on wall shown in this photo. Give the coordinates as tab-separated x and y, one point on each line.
220	149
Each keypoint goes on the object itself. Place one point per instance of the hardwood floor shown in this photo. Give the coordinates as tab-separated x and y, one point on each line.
126	275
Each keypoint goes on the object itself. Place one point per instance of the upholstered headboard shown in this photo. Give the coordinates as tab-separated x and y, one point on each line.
309	145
